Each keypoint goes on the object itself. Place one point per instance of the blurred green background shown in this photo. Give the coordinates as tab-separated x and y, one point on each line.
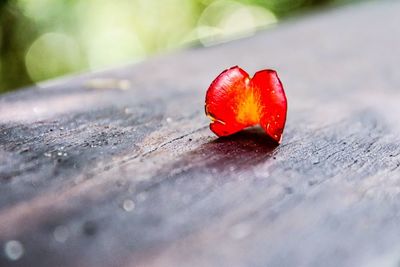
43	39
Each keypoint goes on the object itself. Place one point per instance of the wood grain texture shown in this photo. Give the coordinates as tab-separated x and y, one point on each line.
73	151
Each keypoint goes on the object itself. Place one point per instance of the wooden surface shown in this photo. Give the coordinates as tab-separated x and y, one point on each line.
118	168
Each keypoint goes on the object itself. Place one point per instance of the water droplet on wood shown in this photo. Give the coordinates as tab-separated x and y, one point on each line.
61	233
14	250
128	205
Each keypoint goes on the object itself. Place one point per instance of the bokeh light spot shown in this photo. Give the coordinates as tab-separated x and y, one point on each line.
51	55
109	34
226	20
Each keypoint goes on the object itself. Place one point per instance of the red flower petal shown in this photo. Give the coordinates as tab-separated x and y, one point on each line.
234	101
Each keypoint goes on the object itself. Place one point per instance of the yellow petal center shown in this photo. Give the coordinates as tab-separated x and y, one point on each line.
248	109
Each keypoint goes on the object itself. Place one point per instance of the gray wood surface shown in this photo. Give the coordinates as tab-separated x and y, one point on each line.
119	168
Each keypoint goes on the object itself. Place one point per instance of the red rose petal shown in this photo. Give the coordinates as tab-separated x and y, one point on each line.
234	102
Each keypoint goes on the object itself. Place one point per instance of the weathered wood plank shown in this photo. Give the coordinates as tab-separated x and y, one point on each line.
123	171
